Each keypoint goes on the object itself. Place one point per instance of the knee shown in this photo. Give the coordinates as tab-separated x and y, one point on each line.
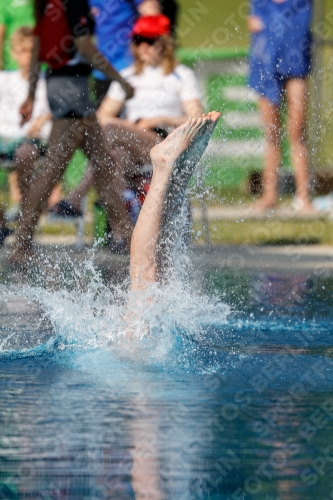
26	153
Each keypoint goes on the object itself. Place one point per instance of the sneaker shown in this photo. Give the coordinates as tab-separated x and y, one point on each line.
4	232
65	209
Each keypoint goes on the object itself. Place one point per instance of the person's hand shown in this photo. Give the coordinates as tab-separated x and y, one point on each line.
254	24
34	131
36	127
26	110
128	89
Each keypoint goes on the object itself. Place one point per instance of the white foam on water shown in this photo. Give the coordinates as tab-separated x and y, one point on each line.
160	326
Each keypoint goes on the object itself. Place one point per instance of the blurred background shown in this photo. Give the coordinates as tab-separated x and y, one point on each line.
218	34
213	39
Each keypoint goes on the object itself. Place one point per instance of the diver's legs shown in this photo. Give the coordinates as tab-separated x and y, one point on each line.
175	153
26	157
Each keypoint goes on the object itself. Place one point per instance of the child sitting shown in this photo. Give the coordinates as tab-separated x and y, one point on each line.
23	144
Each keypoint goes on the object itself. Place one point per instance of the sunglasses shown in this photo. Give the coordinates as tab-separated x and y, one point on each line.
137	39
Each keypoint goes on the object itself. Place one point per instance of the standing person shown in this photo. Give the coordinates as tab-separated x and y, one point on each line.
279	65
114	23
13	15
63	40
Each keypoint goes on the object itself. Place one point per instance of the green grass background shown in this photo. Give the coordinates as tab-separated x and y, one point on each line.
208	27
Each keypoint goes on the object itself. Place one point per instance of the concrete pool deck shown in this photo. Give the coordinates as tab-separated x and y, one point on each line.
312	259
242	211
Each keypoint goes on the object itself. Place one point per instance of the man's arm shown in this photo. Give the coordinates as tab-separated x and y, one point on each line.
98	61
36	126
34	68
27	106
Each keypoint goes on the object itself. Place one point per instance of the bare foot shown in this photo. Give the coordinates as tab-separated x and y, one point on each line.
262	207
188	145
197	147
183	141
308	209
304	207
167	152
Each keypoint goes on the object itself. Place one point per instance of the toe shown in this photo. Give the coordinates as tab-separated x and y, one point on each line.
215	115
196	122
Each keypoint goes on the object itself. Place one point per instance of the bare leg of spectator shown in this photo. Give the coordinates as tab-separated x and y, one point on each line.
25	157
109	180
270	117
25	161
296	98
77	195
129	147
66	137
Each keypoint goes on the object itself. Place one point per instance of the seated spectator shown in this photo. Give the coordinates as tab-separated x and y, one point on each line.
22	144
166	95
13	15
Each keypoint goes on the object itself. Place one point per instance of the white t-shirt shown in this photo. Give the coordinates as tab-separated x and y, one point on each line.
13	92
156	94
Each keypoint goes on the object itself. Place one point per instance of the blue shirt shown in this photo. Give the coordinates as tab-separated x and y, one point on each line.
282	50
288	19
114	21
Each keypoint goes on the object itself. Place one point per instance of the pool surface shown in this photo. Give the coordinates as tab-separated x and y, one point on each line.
229	396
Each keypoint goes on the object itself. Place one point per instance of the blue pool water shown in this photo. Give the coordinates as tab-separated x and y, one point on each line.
228	397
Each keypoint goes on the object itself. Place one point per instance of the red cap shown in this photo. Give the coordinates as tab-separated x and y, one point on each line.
151	26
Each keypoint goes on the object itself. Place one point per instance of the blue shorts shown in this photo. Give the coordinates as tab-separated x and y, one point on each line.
68	97
275	61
